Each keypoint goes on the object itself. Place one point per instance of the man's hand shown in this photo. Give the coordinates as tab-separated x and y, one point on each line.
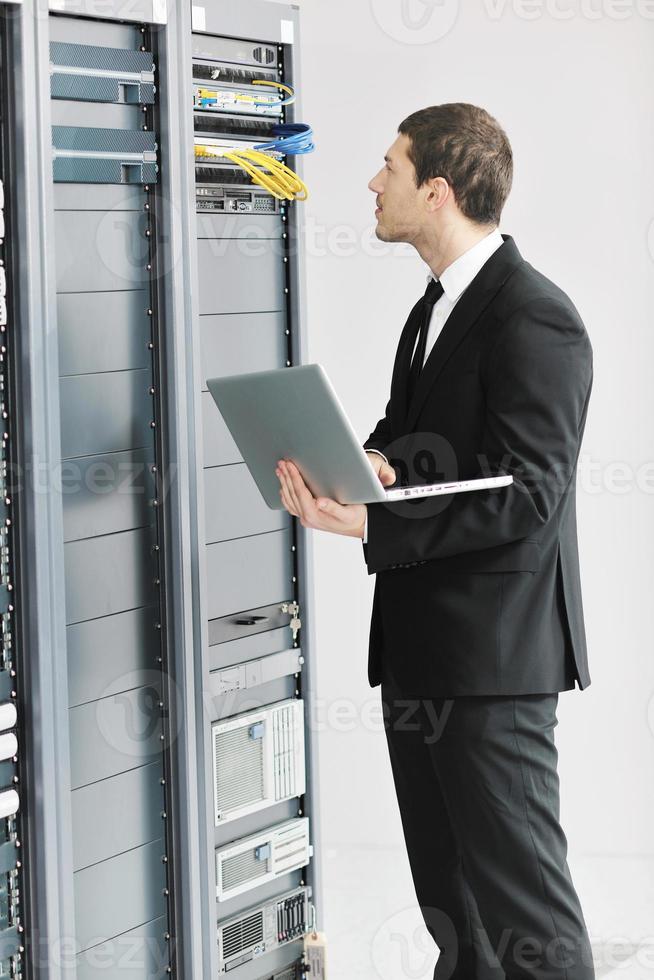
385	472
319	513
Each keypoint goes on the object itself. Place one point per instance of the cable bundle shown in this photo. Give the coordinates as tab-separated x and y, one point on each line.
264	170
294	138
259	160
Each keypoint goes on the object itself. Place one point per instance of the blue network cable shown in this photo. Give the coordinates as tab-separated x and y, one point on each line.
293	139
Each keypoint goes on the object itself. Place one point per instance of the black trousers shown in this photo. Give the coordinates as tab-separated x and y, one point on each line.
478	793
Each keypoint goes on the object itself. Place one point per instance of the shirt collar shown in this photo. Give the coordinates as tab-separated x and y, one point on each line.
460	273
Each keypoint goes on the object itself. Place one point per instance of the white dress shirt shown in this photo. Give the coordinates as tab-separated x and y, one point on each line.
455	279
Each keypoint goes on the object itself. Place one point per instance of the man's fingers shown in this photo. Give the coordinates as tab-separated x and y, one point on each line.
291	489
300	492
387	475
287	502
294	503
285	493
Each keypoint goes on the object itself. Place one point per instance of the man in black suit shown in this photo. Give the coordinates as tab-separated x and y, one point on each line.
477	619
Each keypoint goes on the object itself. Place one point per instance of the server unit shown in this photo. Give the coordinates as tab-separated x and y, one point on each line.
258	759
262	929
262	857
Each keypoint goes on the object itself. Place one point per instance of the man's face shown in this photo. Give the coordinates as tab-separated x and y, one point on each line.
400	204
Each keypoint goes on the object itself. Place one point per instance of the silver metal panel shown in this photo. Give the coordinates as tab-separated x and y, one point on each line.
226	705
248	572
219	447
142	954
94	114
117	814
140	11
109	574
101	250
109	412
254	822
239	276
258	19
253	673
111	654
114	735
103	331
90	197
234	507
251	226
130	888
107	493
249	647
242	342
77	31
246	622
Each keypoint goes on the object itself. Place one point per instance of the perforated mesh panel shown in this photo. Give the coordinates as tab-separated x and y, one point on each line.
242	868
239	769
242	935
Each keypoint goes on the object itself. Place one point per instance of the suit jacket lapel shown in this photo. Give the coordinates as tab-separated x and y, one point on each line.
488	281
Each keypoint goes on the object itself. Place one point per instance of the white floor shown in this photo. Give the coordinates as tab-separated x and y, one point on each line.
375	930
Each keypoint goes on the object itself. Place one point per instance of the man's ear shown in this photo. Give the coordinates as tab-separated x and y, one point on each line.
437	192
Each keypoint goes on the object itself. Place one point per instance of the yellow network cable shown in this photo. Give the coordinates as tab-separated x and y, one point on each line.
279	85
264	170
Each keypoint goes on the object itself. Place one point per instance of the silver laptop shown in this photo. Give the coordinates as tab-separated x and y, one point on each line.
294	413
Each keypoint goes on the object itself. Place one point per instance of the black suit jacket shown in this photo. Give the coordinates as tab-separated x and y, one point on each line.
480	592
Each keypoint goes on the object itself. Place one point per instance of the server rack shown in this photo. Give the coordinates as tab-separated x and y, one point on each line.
259	680
158	594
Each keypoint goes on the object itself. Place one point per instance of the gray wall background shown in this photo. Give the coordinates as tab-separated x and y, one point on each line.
571	83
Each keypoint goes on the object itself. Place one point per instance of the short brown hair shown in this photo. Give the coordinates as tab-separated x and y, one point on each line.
469	149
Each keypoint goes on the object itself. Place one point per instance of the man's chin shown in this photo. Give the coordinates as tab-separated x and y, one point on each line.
384	234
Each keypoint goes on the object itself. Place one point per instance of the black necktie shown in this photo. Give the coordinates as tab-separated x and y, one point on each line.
433	293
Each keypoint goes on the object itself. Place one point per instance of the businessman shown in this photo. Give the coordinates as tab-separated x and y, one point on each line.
477	620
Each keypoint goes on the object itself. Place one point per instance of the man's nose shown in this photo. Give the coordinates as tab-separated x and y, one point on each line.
374	185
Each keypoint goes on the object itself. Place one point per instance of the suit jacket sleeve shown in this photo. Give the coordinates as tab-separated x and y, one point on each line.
538	381
381	434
